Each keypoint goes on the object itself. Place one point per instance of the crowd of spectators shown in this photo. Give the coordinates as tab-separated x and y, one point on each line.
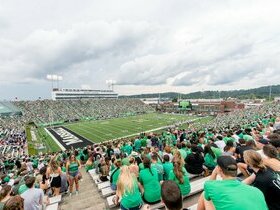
249	148
142	169
46	111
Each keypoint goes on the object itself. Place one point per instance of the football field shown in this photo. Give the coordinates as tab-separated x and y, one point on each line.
102	130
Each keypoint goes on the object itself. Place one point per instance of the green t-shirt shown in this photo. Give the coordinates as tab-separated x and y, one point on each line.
233	194
141	166
217	151
132	198
185	187
167	167
151	184
137	144
22	189
115	176
144	142
226	139
247	137
183	153
125	161
209	161
159	168
128	149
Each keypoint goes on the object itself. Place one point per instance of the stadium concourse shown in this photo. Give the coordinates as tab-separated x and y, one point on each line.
231	162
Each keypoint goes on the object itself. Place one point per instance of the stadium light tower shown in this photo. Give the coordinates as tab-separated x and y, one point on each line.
53	78
111	83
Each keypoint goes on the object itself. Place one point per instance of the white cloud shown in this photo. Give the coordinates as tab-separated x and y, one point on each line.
143	45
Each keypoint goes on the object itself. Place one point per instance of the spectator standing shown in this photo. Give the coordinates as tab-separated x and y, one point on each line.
33	198
72	168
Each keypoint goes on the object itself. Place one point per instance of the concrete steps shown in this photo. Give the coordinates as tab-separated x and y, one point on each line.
88	198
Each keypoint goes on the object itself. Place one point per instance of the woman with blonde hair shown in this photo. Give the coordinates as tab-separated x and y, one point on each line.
128	193
263	178
180	175
53	174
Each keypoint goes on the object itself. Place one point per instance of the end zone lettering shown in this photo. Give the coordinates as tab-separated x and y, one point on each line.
68	138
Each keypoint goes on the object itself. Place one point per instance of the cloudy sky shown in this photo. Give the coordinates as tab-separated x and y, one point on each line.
145	45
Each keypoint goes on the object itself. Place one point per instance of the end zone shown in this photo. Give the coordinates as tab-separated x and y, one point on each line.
65	138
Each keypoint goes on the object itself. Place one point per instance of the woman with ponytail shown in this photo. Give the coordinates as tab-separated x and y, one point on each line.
263	178
180	175
148	178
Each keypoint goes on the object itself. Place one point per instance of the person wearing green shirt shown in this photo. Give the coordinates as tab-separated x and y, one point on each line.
167	167
128	149
228	138
229	193
210	160
72	168
115	175
180	176
128	192
22	189
157	165
148	178
217	151
144	141
137	145
247	137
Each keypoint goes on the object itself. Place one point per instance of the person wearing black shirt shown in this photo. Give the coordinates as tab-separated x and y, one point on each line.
109	151
265	179
241	149
194	161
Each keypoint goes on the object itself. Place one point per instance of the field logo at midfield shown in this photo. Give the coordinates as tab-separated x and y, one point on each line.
68	138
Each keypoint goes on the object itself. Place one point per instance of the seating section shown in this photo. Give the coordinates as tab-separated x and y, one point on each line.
196	187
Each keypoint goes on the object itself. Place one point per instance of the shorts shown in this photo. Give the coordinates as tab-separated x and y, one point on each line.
73	174
56	182
113	186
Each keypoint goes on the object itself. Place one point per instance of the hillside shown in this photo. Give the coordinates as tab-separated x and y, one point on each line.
261	92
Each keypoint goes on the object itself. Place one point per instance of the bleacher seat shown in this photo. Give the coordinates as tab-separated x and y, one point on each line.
55	199
102	185
107	192
196	187
52	206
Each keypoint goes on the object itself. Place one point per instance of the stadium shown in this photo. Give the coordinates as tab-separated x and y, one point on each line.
139	105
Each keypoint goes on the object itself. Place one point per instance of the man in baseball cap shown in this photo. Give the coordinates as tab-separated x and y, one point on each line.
229	193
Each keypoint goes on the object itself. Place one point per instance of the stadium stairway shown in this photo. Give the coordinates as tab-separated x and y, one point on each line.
87	199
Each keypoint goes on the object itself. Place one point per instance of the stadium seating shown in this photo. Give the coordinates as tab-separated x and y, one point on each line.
196	187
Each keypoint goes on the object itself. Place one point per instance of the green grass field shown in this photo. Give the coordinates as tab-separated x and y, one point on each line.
102	130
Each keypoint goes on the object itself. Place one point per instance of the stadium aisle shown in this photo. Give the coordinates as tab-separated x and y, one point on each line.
87	199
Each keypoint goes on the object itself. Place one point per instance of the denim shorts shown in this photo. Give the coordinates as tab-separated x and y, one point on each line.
73	174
